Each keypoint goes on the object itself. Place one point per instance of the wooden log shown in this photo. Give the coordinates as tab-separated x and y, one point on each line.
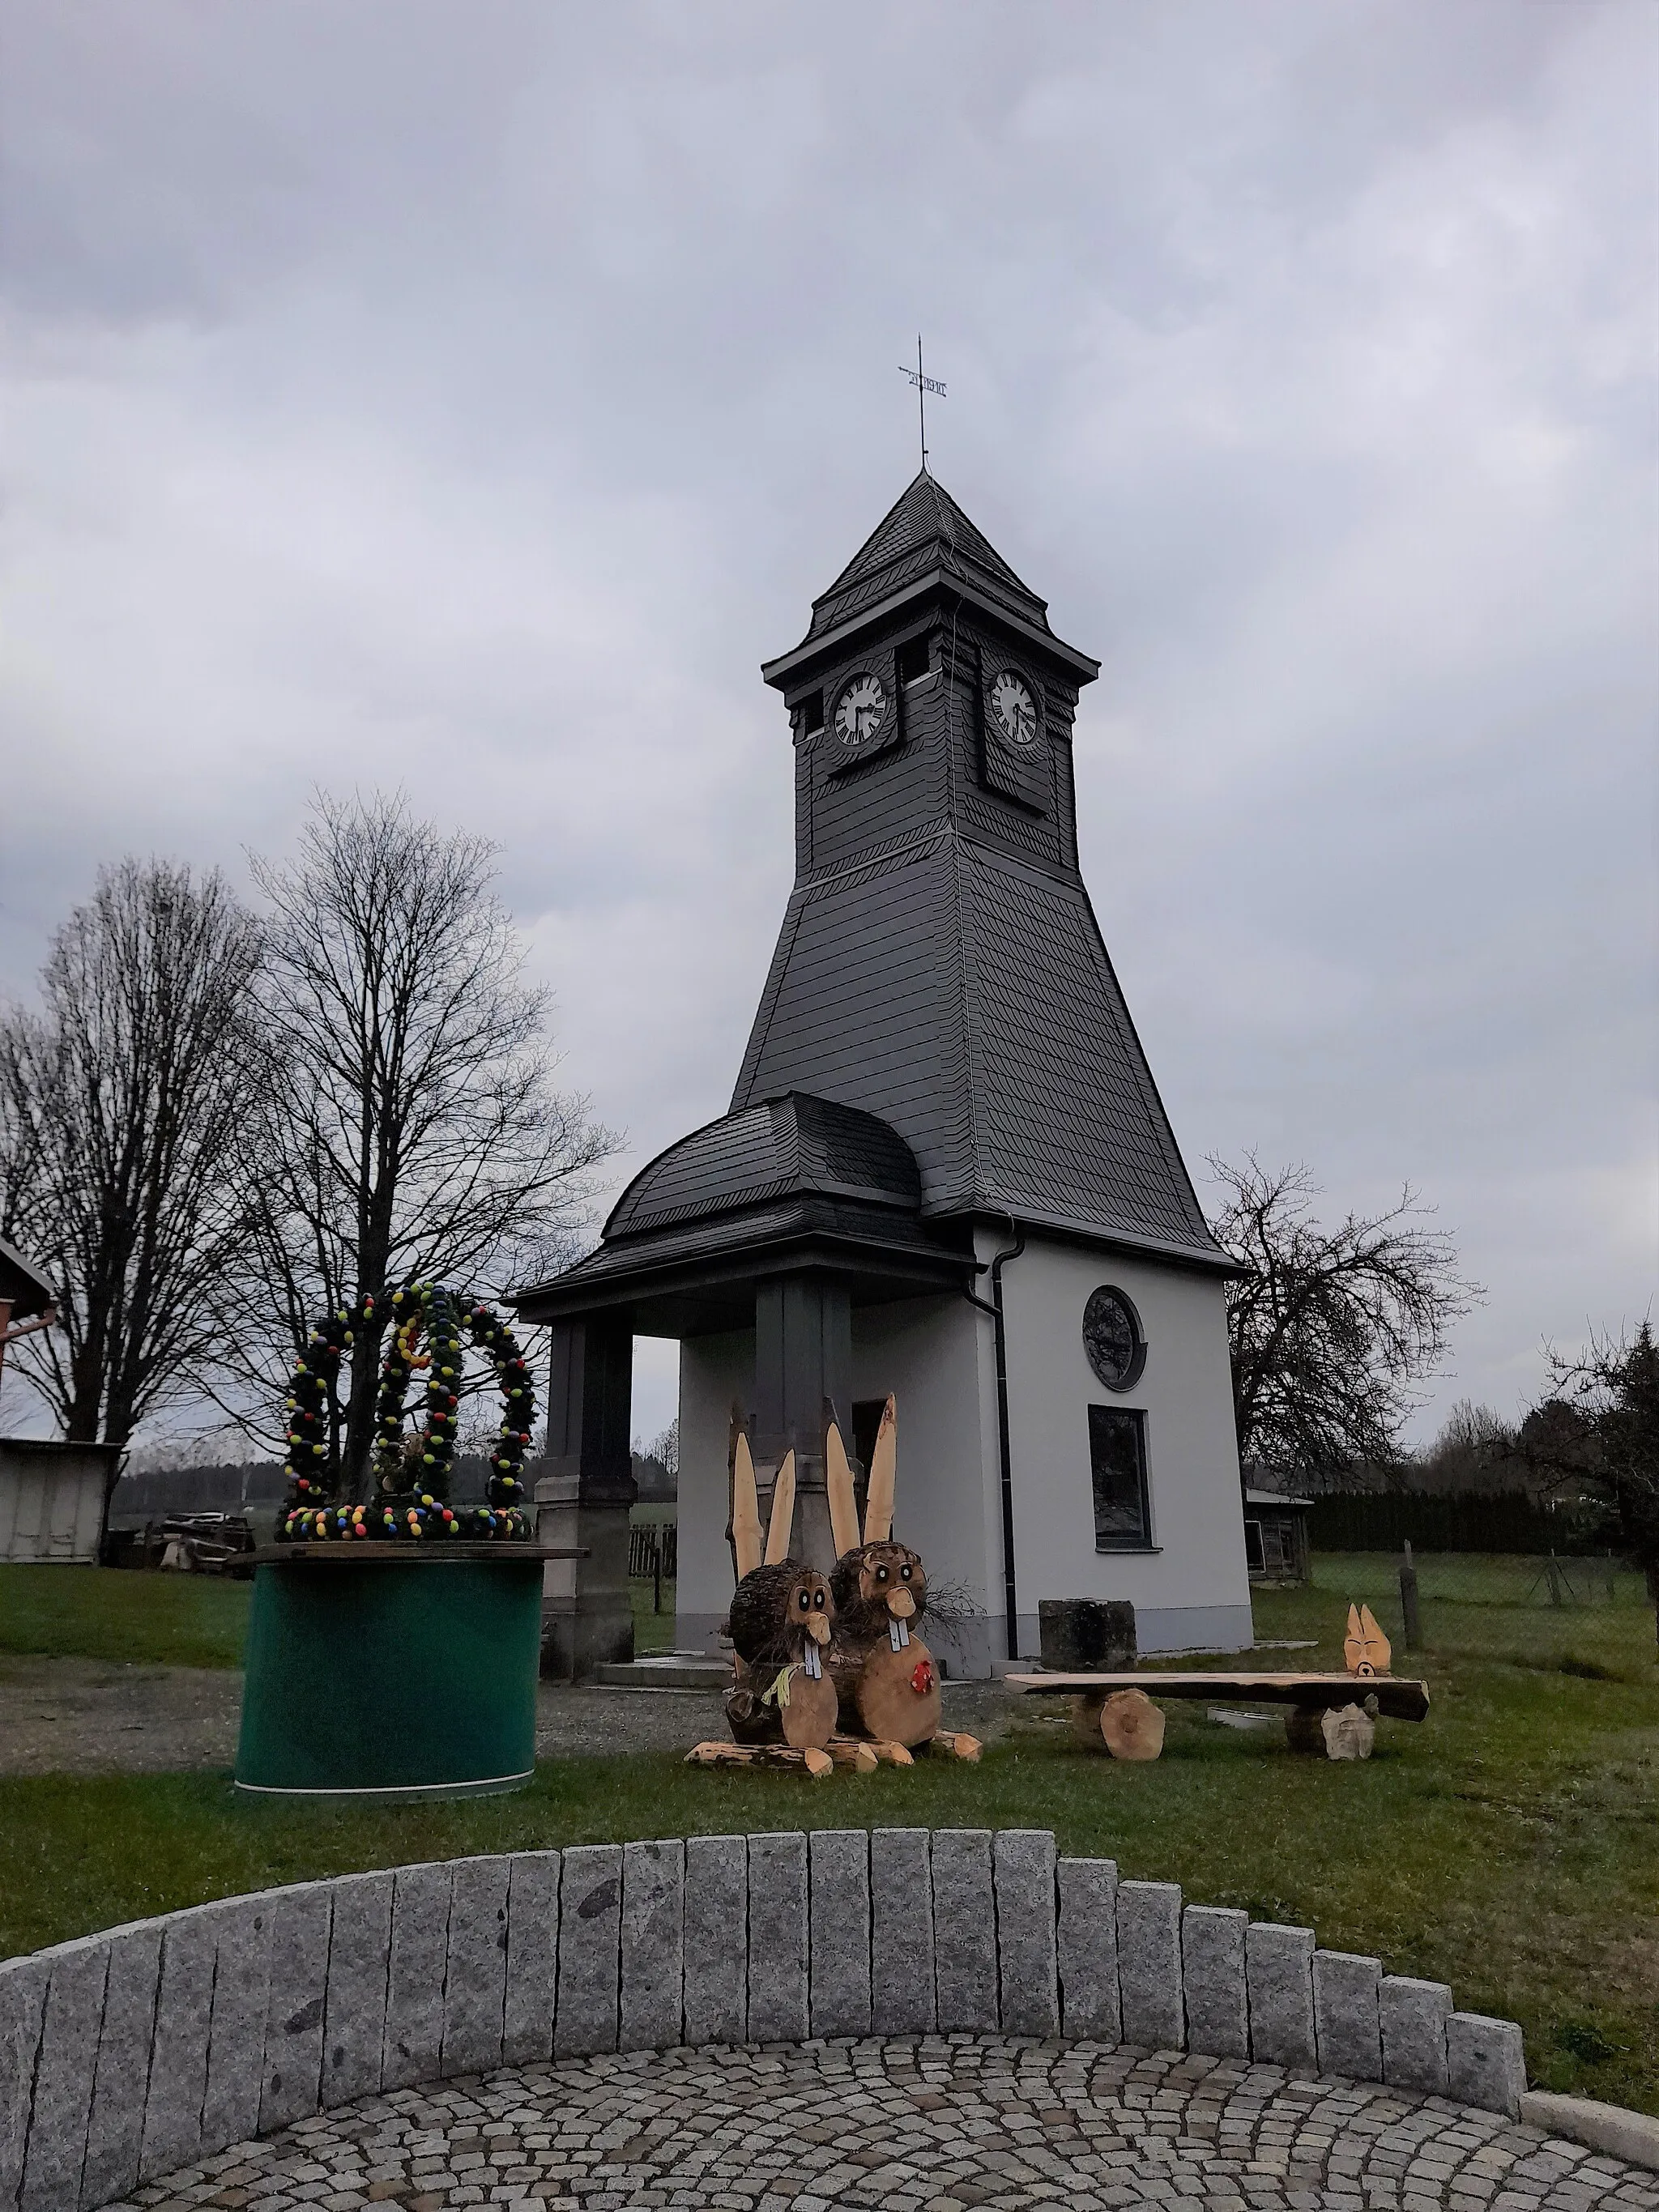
1085	1719
757	1712
853	1751
1304	1731
1130	1725
898	1694
817	1763
885	1754
952	1744
1398	1697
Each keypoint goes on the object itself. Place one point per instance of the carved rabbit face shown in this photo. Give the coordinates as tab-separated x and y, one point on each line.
808	1606
781	1612
887	1578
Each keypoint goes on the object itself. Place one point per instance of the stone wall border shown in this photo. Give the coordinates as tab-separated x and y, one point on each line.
130	2054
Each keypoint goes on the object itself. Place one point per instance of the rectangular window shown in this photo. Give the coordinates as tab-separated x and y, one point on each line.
1117	1459
812	708
1255	1558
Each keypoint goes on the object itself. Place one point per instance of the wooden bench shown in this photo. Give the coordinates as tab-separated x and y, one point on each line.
1329	1714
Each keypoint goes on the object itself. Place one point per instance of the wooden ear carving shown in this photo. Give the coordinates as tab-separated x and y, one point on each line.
843	1506
745	1510
780	1527
1366	1649
884	1471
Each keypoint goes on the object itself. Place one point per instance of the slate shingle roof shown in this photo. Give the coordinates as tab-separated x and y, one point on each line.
923	531
966	997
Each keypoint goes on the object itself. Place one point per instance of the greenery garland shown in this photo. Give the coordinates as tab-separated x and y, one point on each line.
412	1476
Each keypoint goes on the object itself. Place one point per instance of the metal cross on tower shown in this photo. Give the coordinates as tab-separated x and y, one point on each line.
924	385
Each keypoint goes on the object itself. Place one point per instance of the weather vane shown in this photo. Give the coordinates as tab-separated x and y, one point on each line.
924	385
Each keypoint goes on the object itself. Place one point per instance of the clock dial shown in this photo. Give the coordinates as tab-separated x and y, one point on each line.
860	710
1015	708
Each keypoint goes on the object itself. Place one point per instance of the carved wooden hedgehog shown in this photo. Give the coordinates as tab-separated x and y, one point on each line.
781	1612
886	1681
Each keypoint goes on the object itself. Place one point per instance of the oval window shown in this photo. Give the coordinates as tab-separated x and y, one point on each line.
1113	1339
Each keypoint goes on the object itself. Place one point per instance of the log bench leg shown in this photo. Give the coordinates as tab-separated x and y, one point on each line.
1342	1732
1127	1723
817	1763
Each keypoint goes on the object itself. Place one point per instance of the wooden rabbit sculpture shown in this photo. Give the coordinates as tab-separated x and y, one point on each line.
782	1613
885	1678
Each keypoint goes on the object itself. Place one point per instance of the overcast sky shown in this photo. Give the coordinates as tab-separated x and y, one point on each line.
468	396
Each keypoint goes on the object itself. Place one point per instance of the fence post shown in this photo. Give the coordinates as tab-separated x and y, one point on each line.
1554	1573
1409	1600
656	1570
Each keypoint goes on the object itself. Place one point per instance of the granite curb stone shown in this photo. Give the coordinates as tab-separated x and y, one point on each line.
1149	1964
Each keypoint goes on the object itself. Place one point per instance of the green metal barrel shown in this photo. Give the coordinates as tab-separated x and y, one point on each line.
397	1672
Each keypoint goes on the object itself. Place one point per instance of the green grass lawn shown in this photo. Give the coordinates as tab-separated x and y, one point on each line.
1508	1846
145	1620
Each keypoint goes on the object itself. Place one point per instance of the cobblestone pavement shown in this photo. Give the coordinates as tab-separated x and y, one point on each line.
933	2124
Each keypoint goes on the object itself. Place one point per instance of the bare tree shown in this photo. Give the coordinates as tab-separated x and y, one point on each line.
1329	1329
1597	1435
121	1104
407	1128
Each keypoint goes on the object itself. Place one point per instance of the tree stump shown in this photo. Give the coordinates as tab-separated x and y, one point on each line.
898	1696
756	1714
1127	1723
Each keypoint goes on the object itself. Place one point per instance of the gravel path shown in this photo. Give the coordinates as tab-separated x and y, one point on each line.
938	2124
87	1716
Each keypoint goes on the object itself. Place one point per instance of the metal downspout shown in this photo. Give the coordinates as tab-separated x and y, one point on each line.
1010	1593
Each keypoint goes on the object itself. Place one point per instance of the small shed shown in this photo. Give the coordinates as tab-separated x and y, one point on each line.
52	1494
1276	1536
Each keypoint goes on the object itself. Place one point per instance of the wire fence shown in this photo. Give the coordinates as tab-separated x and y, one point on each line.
1545	1580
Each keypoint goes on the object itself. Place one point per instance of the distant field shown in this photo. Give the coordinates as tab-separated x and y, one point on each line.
1509	1845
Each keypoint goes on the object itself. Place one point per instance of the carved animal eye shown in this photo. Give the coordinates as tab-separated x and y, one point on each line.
805	1602
904	1572
817	1599
881	1574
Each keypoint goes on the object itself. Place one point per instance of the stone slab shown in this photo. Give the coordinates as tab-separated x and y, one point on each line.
1413	2017
901	1932
354	2021
1213	1981
1633	2136
22	2013
1087	1940
414	2040
65	2061
236	2037
1348	2021
652	1946
1278	1969
839	1874
300	1926
777	1939
533	1955
590	1924
115	2127
1149	1964
178	2052
1023	1874
475	1982
1486	2063
716	1940
964	1932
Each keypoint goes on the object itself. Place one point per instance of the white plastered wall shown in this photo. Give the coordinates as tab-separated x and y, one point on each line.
935	1355
1194	1587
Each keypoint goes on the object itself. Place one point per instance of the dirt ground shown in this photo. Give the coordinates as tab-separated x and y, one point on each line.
85	1717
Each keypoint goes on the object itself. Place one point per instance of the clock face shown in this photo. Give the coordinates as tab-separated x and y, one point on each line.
860	710
1014	708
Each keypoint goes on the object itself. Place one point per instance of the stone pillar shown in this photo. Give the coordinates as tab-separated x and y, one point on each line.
584	1498
803	1355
